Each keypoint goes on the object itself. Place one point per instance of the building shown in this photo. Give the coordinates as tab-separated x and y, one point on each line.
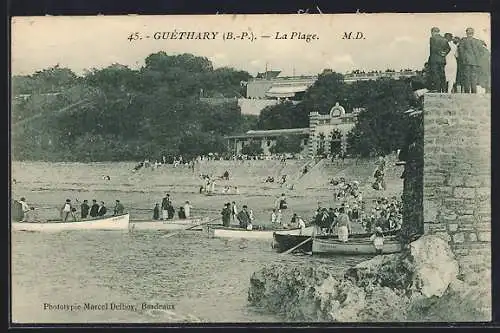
323	132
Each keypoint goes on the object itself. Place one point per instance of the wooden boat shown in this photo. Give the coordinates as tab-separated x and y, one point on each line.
191	224
283	240
237	232
353	246
120	222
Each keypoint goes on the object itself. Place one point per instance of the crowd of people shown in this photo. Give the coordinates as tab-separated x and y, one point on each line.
458	64
167	211
24	212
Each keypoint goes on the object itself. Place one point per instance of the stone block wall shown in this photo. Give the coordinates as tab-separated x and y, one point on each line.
457	171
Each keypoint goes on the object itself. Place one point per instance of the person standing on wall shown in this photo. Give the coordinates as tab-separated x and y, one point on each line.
439	48
451	67
470	53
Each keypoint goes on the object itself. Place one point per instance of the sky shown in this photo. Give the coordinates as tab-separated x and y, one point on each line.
396	41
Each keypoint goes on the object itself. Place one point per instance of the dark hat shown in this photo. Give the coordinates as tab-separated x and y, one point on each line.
68	200
117	200
245	206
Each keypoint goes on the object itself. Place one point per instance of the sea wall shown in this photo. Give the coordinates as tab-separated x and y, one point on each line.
420	284
457	173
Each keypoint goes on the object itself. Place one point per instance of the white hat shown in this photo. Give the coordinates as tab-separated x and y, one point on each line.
378	229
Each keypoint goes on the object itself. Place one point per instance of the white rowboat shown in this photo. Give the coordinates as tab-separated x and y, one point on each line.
353	246
235	232
120	222
153	225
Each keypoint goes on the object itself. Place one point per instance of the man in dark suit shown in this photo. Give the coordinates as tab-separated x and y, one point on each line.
439	48
102	209
94	209
470	53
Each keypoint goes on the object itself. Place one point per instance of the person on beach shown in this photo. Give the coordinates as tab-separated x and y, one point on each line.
94	209
281	202
344	226
273	217
378	240
119	209
66	211
234	211
279	217
170	211
181	213
226	215
164	206
187	209
156	212
244	217
25	208
84	209
102	209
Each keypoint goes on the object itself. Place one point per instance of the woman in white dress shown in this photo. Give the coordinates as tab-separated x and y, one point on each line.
450	70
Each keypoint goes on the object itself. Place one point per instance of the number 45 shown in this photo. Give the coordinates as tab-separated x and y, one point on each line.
133	36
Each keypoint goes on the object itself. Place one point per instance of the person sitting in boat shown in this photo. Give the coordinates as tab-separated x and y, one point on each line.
187	209
250	214
66	210
226	215
344	225
102	209
181	213
84	209
283	179
106	177
244	217
225	176
236	191
156	212
119	209
378	240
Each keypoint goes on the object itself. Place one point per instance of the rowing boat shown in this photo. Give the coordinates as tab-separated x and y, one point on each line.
353	246
119	222
284	240
236	232
155	225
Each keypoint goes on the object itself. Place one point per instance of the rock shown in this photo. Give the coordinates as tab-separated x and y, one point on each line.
419	284
434	265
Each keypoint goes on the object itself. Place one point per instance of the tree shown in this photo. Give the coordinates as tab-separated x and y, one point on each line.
382	127
252	149
287	144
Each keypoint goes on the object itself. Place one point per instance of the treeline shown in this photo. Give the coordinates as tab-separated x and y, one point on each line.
117	113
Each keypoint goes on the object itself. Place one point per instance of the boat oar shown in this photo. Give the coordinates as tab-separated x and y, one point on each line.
192	227
297	246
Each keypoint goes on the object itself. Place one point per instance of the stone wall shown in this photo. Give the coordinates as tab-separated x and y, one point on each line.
457	172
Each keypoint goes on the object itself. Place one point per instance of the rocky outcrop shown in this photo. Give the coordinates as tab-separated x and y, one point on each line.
400	287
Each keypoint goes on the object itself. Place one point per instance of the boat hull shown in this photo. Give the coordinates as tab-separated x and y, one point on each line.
284	240
120	222
154	225
353	246
230	232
